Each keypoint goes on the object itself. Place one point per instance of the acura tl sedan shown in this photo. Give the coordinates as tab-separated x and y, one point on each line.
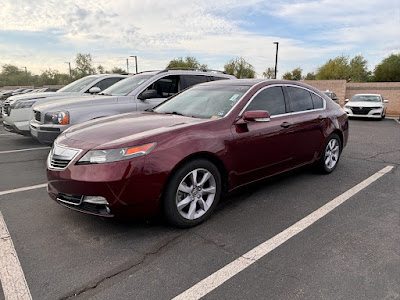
180	157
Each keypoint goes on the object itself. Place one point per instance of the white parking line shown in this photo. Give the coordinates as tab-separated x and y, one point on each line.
219	277
11	274
27	188
21	150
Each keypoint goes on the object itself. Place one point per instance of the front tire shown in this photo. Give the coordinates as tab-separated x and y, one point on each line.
330	154
192	193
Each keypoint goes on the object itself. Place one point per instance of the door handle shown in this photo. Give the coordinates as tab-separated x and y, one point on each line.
321	118
286	124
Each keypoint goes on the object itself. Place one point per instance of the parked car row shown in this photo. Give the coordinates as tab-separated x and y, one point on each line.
174	141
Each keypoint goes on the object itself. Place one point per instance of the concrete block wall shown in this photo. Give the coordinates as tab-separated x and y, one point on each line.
336	86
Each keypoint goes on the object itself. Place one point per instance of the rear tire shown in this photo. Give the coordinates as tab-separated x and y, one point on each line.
330	154
192	193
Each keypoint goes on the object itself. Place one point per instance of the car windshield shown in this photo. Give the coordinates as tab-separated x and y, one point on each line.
204	101
369	98
126	86
78	85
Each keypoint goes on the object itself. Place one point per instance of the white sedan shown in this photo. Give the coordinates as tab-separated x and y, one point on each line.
366	106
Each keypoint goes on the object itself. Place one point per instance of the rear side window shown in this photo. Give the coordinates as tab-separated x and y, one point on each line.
300	99
270	99
190	80
317	101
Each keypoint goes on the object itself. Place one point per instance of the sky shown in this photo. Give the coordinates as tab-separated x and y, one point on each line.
45	34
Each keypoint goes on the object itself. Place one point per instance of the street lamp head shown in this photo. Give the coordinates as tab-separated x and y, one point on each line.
276	43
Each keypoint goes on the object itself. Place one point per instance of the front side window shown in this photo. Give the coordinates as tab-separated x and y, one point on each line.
166	86
270	99
300	99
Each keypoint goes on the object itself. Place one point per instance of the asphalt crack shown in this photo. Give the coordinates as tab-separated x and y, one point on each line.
145	257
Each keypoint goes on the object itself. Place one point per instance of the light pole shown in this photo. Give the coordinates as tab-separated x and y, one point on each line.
127	64
69	65
276	58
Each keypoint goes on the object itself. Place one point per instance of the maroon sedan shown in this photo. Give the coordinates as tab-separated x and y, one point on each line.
181	156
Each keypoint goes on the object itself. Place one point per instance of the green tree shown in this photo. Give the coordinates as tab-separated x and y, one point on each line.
13	75
358	69
269	73
294	75
84	66
240	68
388	69
337	68
116	70
101	70
187	62
310	76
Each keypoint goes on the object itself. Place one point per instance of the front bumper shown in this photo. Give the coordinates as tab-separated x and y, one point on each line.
43	133
364	113
128	190
18	127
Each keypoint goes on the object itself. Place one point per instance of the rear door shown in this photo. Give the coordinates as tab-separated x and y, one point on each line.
308	122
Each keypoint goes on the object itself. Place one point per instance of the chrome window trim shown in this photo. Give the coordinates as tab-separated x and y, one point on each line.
67	148
288	113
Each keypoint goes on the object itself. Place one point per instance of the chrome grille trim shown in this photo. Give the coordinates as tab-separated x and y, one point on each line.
60	157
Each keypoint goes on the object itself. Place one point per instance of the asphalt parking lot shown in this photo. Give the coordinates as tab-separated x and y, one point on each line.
350	252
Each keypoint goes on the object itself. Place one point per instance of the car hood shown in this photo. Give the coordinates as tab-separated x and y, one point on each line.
40	95
364	104
68	103
125	129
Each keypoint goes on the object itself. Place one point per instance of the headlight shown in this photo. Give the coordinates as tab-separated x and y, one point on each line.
111	155
23	104
58	117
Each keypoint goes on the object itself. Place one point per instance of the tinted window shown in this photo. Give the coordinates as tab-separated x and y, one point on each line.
166	86
190	80
300	99
269	99
317	101
218	78
105	83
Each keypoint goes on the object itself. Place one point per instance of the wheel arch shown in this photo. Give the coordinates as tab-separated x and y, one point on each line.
202	155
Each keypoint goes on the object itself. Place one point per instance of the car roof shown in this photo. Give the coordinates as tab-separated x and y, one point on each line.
368	95
255	81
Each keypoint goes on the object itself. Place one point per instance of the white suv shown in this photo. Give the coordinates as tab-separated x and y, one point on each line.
17	110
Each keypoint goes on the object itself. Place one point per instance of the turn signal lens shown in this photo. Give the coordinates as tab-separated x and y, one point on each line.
143	149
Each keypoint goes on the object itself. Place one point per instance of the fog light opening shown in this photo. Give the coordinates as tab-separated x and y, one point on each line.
96	200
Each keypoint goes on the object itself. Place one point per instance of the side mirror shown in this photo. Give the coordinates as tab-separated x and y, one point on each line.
255	116
95	90
148	95
385	101
347	100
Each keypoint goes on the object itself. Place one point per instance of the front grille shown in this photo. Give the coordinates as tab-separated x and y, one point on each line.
37	115
6	109
360	110
58	162
60	156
